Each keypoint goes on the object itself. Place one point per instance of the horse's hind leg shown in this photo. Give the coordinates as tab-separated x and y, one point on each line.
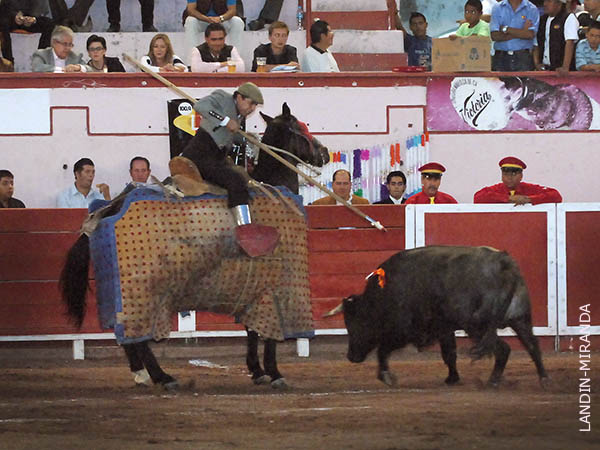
136	365
258	374
270	362
158	376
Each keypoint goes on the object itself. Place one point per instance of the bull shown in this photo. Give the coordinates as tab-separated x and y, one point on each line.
423	295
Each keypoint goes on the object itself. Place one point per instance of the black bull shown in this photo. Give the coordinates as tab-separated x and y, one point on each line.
422	295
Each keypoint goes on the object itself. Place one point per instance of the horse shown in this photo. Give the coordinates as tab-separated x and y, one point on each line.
284	130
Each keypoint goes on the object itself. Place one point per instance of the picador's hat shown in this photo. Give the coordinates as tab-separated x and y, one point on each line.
510	162
432	168
251	91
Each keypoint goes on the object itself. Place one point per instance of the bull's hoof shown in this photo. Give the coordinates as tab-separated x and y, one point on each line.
494	382
388	378
451	380
279	383
263	379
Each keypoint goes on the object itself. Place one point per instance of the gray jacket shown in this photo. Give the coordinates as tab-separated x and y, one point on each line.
43	60
221	102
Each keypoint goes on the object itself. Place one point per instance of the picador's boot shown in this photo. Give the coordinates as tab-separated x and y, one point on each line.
255	240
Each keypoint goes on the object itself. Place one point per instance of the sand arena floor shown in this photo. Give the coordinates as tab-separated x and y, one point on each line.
49	401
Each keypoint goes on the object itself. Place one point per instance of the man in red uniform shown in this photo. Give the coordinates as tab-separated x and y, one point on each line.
512	190
431	178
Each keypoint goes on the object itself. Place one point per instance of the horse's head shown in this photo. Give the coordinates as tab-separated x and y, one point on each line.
287	132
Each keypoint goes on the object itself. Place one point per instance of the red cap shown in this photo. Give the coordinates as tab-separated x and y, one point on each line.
432	167
511	161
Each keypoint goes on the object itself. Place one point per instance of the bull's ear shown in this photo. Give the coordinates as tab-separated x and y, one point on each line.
285	109
266	118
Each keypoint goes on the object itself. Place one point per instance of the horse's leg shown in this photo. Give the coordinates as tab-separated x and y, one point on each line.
258	374
158	376
270	363
136	365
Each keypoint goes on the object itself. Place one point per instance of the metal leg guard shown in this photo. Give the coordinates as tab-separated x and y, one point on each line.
255	240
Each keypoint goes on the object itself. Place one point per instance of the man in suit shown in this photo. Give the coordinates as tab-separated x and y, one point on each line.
342	186
223	115
59	57
396	185
23	15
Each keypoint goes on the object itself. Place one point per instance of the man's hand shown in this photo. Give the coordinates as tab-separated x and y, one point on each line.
232	125
562	71
212	19
519	199
104	190
72	68
528	23
28	21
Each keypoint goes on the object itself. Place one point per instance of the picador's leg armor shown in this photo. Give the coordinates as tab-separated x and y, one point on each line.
255	240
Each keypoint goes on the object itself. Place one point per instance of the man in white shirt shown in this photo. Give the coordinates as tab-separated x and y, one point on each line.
80	194
59	57
316	57
556	38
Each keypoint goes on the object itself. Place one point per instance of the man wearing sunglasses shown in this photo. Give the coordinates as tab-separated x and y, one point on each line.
59	57
513	190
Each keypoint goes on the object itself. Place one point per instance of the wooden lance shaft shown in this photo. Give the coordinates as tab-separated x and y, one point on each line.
262	146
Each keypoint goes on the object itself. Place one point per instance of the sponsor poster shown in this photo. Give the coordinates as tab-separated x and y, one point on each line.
512	104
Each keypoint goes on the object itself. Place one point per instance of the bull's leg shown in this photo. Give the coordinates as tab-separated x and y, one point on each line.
270	363
384	374
501	352
523	329
258	374
448	348
157	375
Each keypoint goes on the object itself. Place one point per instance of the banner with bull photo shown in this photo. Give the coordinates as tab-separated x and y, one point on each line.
512	103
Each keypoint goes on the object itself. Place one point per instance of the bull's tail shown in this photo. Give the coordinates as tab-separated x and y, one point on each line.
74	282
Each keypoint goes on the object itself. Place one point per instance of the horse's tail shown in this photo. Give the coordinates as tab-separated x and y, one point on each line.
74	281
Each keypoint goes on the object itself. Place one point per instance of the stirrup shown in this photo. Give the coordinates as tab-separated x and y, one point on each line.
254	239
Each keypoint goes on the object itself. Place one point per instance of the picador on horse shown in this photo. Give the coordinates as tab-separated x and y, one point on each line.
222	115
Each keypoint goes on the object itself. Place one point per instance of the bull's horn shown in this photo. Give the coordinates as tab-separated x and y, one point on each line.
338	309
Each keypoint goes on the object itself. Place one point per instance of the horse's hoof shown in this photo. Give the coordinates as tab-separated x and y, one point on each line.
388	378
279	383
545	382
171	386
452	380
263	379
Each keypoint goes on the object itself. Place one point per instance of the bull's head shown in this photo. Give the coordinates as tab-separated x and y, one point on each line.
363	331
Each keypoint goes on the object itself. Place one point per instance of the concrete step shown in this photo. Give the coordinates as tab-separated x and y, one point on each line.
370	62
354	20
348	5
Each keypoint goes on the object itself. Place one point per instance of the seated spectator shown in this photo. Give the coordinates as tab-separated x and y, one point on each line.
22	15
587	56
59	57
512	190
396	185
417	45
277	53
7	188
591	14
431	178
99	62
114	16
268	14
213	54
80	194
139	169
201	13
473	25
5	64
556	38
161	58
342	185
317	57
74	16
513	30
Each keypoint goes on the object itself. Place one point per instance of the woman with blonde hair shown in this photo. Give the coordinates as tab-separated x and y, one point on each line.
160	57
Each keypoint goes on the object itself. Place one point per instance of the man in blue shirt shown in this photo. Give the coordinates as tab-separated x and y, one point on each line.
513	28
80	194
417	45
587	56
